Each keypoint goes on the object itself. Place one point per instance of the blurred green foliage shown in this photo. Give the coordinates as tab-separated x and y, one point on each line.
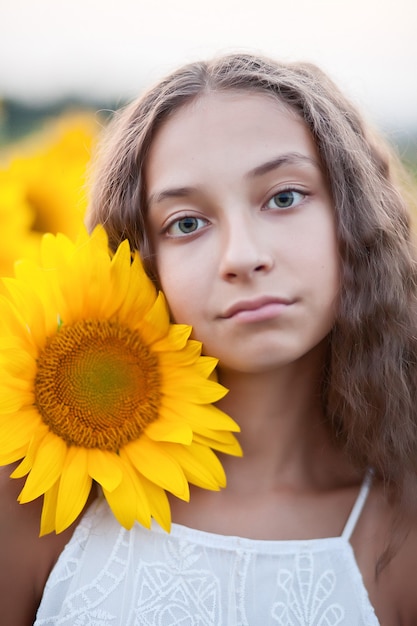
17	119
408	154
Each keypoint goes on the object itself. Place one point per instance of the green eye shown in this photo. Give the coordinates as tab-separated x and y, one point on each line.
185	226
285	199
188	224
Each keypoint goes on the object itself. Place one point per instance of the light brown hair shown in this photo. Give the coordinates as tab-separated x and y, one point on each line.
370	382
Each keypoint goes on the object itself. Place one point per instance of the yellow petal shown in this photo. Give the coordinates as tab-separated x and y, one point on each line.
188	356
201	466
200	417
128	501
24	466
206	365
119	277
154	462
155	322
158	502
224	442
12	322
49	510
74	488
11	456
27	462
16	360
12	398
47	467
174	432
97	239
16	383
176	338
105	468
95	304
12	342
22	295
140	296
30	273
17	429
56	251
197	389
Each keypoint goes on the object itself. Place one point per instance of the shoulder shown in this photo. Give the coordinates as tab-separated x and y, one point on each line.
385	545
27	559
402	572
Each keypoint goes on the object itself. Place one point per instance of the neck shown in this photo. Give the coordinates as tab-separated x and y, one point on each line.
283	432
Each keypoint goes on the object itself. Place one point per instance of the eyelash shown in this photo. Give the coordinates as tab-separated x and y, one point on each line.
175	222
203	222
288	191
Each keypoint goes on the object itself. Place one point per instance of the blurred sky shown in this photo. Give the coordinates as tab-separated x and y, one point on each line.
111	49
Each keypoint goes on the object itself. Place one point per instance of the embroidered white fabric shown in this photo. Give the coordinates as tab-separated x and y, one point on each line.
108	576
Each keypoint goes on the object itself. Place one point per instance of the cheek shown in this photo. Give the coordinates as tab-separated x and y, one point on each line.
187	282
327	278
179	292
323	244
322	265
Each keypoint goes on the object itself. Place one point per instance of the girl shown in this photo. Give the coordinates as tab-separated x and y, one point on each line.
271	217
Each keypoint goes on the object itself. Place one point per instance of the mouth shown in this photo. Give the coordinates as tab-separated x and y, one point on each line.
256	310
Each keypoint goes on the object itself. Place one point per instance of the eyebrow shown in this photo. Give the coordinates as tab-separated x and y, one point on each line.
177	192
290	158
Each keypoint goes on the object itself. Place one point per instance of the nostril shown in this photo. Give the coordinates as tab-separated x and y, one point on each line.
244	265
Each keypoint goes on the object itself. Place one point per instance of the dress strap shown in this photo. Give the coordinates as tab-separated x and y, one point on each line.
358	506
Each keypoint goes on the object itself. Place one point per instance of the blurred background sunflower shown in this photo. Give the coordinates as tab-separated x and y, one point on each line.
43	183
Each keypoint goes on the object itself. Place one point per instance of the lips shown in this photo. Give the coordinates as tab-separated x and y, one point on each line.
253	305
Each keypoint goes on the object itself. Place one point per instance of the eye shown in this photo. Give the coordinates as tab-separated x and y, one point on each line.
185	226
285	199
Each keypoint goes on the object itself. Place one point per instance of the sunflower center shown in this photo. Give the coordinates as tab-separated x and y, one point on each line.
97	385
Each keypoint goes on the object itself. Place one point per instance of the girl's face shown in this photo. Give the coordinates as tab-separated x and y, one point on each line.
242	224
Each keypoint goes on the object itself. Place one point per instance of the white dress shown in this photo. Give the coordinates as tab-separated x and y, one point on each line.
108	576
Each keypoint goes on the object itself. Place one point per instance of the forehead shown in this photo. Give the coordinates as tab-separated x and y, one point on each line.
234	129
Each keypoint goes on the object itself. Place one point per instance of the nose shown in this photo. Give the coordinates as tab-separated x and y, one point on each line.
245	250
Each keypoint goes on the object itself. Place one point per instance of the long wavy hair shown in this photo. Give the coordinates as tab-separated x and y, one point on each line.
370	380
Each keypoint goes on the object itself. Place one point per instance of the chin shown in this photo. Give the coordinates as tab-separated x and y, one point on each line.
253	366
274	359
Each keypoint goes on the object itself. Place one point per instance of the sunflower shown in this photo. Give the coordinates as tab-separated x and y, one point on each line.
43	185
98	386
